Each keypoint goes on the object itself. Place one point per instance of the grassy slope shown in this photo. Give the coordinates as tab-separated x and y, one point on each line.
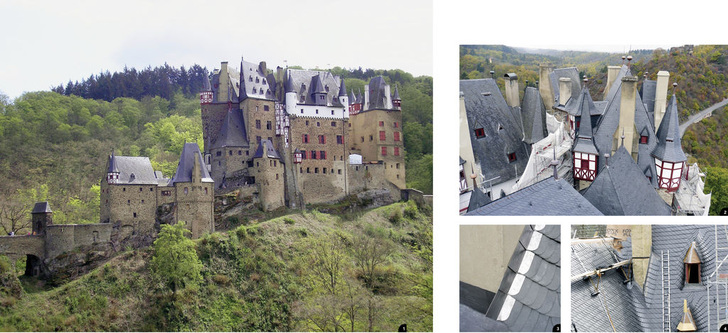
256	277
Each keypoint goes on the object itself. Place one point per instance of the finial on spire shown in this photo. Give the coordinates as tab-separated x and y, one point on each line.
629	61
623	57
622	136
674	87
492	74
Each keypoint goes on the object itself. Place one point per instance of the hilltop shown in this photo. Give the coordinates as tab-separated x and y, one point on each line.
266	276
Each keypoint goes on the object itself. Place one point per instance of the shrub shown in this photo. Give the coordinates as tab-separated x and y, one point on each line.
410	211
395	216
288	220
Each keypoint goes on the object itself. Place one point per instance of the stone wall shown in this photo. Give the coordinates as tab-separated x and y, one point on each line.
365	133
16	247
229	161
369	176
213	115
254	112
270	180
66	237
195	207
134	205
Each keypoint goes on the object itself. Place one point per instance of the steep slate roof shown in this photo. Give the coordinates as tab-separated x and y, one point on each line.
41	207
255	82
668	136
528	298
190	152
648	92
622	189
534	116
569	72
625	302
609	122
396	93
135	170
547	197
232	133
270	151
477	199
377	97
301	82
113	167
585	107
489	112
677	240
206	81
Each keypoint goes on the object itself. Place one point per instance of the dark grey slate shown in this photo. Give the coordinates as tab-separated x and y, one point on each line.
135	170
537	305
265	148
113	167
477	199
301	81
622	189
668	136
242	92
474	321
533	113
41	207
486	108
648	92
585	107
232	132
547	197
258	88
377	96
206	81
396	93
569	72
190	152
342	89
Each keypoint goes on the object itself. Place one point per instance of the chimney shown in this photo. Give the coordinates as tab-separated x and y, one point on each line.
612	72
544	86
626	127
641	250
564	90
661	97
222	88
512	89
263	68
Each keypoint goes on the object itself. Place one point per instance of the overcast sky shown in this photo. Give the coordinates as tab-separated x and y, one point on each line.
46	43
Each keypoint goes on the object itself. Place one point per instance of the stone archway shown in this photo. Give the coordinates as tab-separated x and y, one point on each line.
33	266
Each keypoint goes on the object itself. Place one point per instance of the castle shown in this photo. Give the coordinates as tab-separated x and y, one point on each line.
622	155
297	136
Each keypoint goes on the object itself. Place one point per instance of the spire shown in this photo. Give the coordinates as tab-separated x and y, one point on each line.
352	98
687	324
113	168
242	94
668	136
396	92
584	142
289	83
206	81
342	89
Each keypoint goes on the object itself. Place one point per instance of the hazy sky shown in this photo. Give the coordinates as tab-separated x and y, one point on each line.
46	43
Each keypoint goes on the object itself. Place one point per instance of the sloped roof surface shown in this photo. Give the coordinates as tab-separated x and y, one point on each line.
648	92
624	302
477	199
267	147
585	107
622	189
486	108
41	207
668	136
377	96
301	81
232	133
190	152
528	298
547	197
569	72
534	116
256	84
135	170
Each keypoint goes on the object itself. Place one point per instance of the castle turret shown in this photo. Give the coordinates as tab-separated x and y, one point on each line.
343	97
669	156
112	174
291	96
42	217
224	79
396	100
268	172
318	92
242	93
585	152
206	93
194	191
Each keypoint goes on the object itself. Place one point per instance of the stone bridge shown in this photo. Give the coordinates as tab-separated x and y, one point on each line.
16	247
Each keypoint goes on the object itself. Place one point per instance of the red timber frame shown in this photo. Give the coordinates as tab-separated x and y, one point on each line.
669	174
585	166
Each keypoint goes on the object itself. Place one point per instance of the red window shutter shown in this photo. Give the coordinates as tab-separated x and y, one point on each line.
382	136
381	124
396	136
384	151
396	151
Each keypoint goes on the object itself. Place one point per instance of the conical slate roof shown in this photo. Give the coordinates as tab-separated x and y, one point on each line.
668	136
584	142
621	188
265	148
477	199
396	93
232	132
113	167
342	89
289	84
206	81
242	93
317	86
190	152
533	113
692	257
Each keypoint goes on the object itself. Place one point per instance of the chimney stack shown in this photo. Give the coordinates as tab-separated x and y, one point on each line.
612	72
511	80
661	97
641	250
222	88
626	127
564	90
544	86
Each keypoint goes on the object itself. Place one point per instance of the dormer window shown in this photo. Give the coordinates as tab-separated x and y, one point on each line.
250	78
692	265
257	80
479	133
512	157
643	139
264	81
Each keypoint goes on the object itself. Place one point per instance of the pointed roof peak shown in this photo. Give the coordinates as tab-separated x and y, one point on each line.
242	94
668	136
190	152
113	167
396	92
342	89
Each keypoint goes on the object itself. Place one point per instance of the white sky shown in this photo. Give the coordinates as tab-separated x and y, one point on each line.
46	43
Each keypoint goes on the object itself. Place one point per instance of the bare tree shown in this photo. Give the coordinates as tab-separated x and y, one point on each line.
327	261
14	215
368	254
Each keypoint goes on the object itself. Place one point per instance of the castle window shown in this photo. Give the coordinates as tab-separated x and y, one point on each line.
257	164
362	139
339	171
257	80
323	155
333	123
275	163
186	190
313	155
304	138
318	124
397	176
381	124
151	189
396	136
218	153
266	108
332	113
396	153
134	215
230	153
315	170
324	170
255	91
316	111
141	189
371	138
166	193
303	154
276	176
257	139
247	153
123	189
218	163
205	189
142	200
382	136
308	170
302	112
306	122
270	162
643	139
322	139
268	125
340	139
479	133
397	165
512	157
257	123
240	152
301	169
250	78
396	124
128	202
264	81
384	151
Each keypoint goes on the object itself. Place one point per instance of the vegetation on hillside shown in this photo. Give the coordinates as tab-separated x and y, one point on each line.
301	272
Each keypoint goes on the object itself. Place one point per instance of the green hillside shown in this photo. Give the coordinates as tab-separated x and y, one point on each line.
370	271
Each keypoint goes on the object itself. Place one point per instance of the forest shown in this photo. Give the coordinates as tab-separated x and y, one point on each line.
700	71
55	143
